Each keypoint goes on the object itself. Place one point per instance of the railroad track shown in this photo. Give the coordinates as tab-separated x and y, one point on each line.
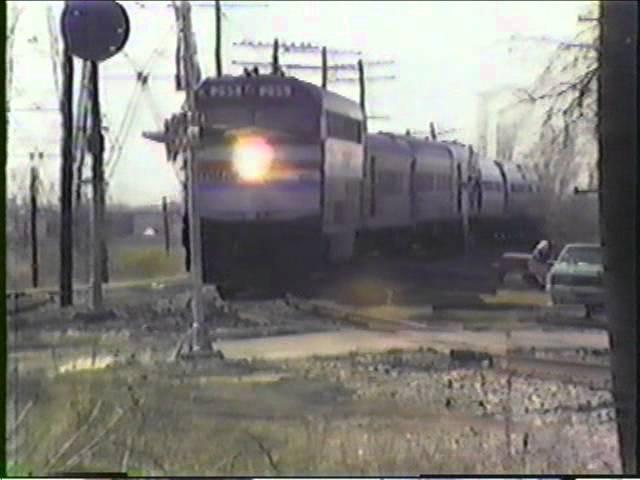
352	316
566	371
297	312
562	369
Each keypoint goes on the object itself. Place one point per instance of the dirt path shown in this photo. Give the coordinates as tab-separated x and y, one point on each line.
348	340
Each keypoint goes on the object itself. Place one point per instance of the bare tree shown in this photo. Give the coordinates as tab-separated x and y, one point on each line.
564	98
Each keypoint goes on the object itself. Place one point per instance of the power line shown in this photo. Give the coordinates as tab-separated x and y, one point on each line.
301	47
298	66
367	79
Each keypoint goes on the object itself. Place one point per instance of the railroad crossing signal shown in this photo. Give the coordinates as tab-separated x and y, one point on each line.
181	132
95	31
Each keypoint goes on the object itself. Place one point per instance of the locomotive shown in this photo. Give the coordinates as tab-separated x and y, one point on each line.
287	179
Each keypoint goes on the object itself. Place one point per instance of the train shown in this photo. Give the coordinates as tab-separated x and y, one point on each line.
288	179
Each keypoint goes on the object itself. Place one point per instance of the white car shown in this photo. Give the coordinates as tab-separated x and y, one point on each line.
576	277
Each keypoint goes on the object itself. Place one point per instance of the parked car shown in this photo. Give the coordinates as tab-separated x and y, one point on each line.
532	267
576	277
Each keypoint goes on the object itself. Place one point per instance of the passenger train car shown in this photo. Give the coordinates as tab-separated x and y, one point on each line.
287	179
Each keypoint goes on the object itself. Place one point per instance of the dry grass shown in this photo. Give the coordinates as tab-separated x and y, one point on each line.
173	422
149	262
135	260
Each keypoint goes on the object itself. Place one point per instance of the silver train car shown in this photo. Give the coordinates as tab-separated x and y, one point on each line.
286	180
415	191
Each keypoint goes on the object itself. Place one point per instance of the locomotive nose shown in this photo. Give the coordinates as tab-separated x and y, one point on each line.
252	159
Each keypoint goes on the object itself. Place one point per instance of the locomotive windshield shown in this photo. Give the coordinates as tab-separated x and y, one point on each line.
265	103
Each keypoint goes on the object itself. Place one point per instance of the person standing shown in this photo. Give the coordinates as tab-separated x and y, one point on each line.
539	263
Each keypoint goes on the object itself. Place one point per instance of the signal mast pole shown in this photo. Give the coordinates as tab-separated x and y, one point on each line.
66	178
96	145
187	61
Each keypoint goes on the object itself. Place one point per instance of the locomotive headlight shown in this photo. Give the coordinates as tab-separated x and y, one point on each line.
252	159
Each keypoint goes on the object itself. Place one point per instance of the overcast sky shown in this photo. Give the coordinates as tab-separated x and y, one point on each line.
445	53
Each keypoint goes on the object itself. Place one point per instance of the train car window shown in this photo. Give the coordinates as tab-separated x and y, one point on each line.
436	183
431	181
293	120
343	128
424	182
443	183
389	182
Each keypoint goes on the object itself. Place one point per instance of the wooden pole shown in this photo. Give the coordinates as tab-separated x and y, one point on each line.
97	183
218	39
363	93
195	239
165	222
432	131
66	179
33	191
324	67
618	186
275	60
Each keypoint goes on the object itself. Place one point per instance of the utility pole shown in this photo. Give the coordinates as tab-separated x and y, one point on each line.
96	146
363	93
33	193
303	47
66	178
618	186
165	223
308	48
275	61
324	67
188	63
432	131
218	39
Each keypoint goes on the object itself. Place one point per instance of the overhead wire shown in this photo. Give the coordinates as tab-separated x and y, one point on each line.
142	78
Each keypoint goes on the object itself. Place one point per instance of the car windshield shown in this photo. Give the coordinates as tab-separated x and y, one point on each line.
588	255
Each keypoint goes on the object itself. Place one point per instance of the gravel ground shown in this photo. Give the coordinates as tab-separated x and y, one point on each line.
543	412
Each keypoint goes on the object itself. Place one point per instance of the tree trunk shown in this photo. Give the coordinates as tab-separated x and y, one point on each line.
618	177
